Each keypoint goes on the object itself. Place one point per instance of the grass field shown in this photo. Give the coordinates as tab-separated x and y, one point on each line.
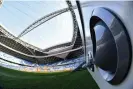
12	79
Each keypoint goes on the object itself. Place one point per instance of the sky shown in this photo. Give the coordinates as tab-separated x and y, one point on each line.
15	16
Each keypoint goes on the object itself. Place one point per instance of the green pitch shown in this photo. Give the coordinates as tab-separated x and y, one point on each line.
12	79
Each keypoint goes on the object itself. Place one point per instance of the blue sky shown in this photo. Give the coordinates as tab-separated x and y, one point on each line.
15	16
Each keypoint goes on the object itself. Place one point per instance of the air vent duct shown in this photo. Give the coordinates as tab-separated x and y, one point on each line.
111	45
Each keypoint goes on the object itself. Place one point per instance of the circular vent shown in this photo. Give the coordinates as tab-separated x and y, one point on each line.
111	45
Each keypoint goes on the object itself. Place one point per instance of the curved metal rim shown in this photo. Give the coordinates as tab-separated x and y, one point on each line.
122	41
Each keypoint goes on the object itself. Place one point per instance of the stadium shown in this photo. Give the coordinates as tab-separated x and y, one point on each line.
27	66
